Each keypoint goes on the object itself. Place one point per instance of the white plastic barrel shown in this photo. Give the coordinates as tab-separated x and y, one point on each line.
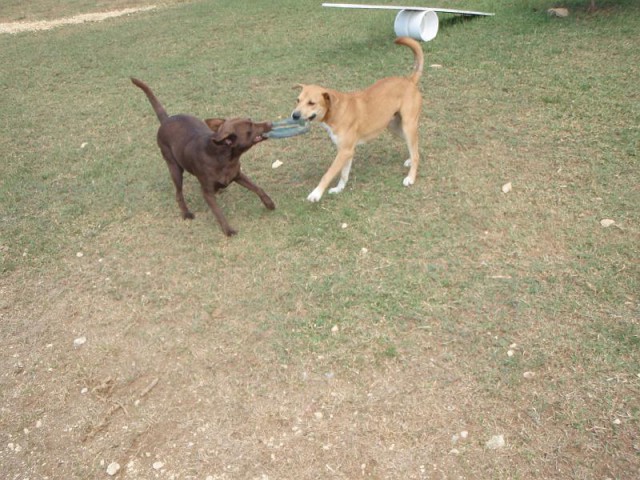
421	25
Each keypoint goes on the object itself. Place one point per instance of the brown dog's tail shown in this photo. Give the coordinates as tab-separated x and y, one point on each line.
418	56
159	109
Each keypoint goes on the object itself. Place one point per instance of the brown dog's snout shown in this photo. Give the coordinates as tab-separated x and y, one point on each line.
259	130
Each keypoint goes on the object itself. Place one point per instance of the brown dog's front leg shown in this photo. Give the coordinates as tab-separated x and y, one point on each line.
246	182
213	205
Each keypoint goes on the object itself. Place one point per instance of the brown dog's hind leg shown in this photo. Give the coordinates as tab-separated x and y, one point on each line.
209	196
246	182
176	172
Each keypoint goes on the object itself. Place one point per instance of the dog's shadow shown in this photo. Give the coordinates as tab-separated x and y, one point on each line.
379	39
453	20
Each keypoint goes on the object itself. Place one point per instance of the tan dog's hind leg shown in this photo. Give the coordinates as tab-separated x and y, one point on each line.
342	162
410	119
411	135
395	127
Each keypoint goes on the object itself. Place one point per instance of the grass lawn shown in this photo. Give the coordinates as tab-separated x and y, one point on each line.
384	332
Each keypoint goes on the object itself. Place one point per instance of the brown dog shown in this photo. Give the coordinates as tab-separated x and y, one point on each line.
355	118
210	151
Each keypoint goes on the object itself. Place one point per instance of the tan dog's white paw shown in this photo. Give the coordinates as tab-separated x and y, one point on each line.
315	196
336	189
408	181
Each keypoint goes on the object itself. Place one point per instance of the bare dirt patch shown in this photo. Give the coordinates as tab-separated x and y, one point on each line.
18	27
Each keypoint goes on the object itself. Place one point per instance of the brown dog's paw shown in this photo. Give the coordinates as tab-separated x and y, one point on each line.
188	216
269	204
230	232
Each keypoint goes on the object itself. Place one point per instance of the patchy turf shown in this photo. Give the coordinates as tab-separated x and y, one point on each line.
383	333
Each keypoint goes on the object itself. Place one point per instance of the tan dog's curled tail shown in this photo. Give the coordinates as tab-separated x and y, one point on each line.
157	107
418	57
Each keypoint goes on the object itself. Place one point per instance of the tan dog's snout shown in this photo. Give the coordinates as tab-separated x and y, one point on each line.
297	115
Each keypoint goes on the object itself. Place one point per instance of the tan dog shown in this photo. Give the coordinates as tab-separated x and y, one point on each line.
355	118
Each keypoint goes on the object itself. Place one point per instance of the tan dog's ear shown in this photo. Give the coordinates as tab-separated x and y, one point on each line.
297	85
214	123
328	99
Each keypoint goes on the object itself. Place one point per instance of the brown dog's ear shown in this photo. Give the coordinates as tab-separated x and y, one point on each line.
214	123
228	139
297	85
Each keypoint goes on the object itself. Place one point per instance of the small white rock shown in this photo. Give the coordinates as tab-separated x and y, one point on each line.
157	465
513	345
464	434
84	390
276	164
617	421
454	451
84	144
78	342
79	254
506	188
558	12
343	226
364	251
607	222
318	415
113	468
529	375
335	329
435	65
495	442
510	353
39	424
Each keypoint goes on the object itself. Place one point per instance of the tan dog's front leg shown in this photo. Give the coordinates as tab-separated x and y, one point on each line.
344	178
342	162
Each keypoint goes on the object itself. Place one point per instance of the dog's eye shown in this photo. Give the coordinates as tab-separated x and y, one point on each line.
311	104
